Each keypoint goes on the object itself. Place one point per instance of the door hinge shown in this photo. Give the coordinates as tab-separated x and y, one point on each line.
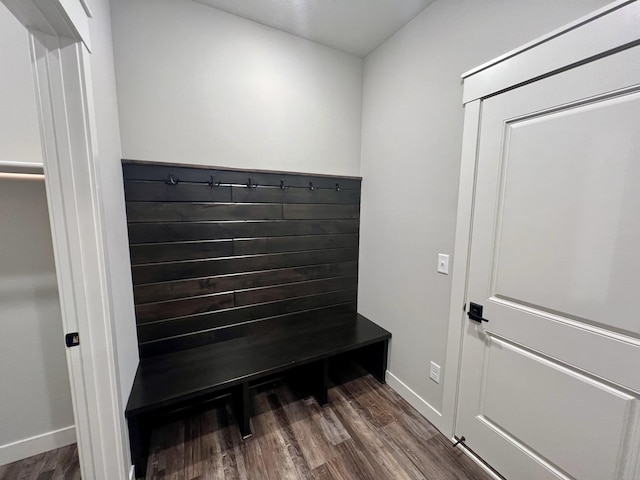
72	339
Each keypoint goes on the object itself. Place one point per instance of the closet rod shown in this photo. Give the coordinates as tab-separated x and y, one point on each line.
21	167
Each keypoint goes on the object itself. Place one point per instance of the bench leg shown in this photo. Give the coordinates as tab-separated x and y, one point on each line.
139	438
374	359
241	409
321	382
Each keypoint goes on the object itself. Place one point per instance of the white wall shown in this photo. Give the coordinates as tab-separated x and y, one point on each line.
411	146
35	396
196	85
109	155
19	131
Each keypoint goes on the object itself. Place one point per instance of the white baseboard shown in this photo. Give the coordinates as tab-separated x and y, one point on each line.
480	463
12	452
416	401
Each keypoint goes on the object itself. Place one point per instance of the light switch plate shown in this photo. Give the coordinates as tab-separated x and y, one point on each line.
443	263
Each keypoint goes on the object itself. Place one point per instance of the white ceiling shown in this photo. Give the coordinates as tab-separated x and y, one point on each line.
353	26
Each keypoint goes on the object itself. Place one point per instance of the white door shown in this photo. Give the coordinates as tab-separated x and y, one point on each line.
550	385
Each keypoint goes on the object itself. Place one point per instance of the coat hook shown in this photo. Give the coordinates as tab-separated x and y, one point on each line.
337	187
212	182
282	185
251	185
172	180
311	187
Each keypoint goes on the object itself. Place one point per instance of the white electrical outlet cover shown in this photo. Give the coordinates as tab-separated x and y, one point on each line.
434	372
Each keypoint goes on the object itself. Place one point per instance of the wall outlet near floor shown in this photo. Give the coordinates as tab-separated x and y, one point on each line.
434	372
443	263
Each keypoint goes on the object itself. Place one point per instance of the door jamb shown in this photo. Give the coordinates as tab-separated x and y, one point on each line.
457	320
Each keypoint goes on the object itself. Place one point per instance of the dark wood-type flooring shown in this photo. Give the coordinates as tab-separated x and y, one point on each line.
60	464
367	431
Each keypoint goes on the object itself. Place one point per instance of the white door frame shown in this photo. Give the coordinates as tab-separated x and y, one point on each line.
59	43
611	28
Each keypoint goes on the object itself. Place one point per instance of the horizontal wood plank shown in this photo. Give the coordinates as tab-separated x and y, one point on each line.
175	251
193	212
189	325
249	246
163	272
313	211
293	290
183	231
151	312
156	292
294	195
196	250
183	192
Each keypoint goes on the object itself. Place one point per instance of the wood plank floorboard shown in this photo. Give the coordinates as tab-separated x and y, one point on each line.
367	432
59	464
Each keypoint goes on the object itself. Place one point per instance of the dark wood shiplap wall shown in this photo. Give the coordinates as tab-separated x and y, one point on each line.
213	250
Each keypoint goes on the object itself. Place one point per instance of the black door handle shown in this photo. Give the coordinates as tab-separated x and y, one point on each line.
475	313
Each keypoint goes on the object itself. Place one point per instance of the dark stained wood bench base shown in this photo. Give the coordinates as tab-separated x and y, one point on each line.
178	380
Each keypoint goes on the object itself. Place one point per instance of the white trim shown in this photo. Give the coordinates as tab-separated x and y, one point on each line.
87	8
612	27
545	38
479	462
132	473
77	15
65	106
113	433
464	217
60	18
12	452
68	138
54	130
415	400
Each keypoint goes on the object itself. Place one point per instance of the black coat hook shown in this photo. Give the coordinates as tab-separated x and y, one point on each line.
282	185
212	182
172	180
251	185
311	187
337	187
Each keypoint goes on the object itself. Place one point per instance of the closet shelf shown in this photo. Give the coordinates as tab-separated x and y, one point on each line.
21	167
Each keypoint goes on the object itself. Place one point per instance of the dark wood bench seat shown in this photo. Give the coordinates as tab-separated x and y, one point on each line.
252	351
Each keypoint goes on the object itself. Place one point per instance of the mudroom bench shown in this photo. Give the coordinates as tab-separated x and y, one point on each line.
240	277
176	380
